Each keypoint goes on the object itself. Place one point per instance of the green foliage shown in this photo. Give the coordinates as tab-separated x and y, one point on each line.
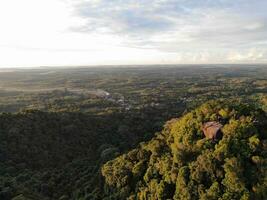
52	155
183	164
59	153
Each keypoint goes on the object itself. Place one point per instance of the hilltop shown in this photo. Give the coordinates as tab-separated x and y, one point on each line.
180	163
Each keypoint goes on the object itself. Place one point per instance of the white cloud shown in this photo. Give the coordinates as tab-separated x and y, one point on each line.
80	32
251	55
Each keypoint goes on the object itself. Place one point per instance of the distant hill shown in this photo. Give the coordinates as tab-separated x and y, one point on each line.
180	163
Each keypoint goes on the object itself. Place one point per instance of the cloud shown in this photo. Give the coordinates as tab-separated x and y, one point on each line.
71	32
121	17
250	55
174	25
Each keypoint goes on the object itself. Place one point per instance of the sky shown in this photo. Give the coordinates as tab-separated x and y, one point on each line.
113	32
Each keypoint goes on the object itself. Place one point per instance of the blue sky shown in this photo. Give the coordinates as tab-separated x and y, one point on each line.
96	32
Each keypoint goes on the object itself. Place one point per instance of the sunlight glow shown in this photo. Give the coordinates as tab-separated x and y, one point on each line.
68	32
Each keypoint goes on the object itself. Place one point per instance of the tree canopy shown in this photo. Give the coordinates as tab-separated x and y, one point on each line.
180	163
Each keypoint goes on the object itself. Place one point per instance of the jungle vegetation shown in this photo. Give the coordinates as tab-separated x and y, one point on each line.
132	133
180	163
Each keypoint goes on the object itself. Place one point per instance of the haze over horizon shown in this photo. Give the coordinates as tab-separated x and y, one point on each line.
112	32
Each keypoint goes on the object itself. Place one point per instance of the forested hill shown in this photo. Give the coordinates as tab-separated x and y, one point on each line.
50	139
61	155
37	139
64	125
49	155
180	163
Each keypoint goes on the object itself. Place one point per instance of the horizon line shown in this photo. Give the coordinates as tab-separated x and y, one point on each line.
123	65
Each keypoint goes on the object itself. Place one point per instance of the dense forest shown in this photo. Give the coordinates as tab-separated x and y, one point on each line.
37	141
180	163
133	133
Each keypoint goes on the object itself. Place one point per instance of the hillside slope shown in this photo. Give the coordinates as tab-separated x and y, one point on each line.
180	163
49	155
